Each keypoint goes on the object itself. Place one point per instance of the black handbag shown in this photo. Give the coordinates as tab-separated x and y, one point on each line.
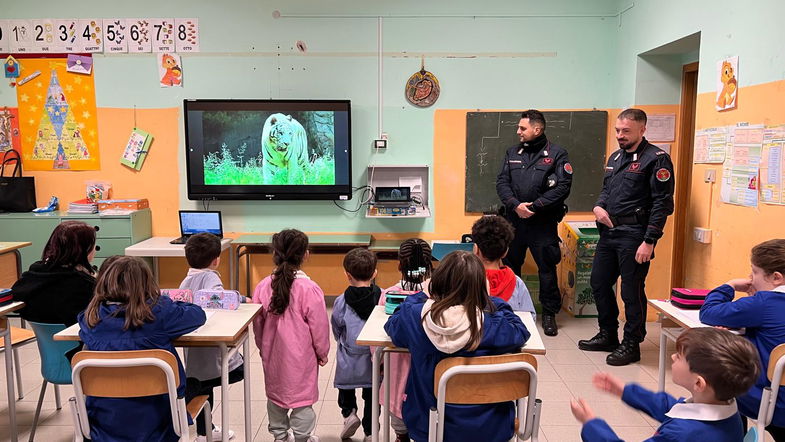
17	193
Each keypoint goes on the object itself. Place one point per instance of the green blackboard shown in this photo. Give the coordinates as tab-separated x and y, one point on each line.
490	134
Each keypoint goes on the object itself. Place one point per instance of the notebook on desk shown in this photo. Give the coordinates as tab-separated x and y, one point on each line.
198	221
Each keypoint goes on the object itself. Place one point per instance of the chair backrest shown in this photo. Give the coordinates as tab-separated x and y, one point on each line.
776	355
55	366
125	377
484	388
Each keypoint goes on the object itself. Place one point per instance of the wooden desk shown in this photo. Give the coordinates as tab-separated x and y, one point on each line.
248	245
225	329
373	334
9	362
159	246
8	273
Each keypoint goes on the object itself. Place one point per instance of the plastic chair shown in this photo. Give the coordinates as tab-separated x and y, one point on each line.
488	380
126	374
55	366
768	399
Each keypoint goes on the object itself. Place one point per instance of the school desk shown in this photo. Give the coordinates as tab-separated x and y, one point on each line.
159	246
5	331
247	245
225	329
9	274
373	334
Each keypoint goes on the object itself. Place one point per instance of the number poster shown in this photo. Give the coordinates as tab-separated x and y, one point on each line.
93	35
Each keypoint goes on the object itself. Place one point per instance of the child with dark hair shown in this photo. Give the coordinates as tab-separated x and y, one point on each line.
59	286
713	365
293	337
492	236
458	319
353	366
128	313
416	265
761	314
203	364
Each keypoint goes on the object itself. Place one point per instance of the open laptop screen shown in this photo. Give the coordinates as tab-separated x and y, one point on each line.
192	222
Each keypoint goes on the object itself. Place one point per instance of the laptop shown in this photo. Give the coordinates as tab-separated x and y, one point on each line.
198	221
392	196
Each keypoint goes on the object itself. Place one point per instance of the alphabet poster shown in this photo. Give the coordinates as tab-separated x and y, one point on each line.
57	117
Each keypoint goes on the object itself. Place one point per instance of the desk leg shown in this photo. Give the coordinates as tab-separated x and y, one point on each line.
247	382
386	411
155	269
663	350
225	391
9	378
232	285
377	356
18	264
248	274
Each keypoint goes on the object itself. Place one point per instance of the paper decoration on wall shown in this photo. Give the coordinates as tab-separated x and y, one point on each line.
136	149
139	34
186	34
9	130
57	116
11	67
169	71
710	145
422	88
772	171
79	64
727	83
740	171
116	33
162	34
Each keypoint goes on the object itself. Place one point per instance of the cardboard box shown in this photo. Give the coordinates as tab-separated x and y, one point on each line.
579	242
130	204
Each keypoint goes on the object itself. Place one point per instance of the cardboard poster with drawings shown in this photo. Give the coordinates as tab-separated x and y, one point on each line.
170	74
727	83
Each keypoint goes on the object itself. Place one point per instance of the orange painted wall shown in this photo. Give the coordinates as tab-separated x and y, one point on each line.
735	229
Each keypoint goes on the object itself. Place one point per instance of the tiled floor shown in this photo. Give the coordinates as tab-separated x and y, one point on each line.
564	373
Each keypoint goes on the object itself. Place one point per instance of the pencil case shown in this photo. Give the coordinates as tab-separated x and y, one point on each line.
394	298
218	299
184	295
6	297
689	299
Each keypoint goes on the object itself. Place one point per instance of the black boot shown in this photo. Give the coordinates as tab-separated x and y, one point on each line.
628	352
549	326
605	340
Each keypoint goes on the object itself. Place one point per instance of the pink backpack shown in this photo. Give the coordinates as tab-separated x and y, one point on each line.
689	299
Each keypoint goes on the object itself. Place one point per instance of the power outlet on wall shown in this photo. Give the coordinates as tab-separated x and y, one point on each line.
710	176
702	235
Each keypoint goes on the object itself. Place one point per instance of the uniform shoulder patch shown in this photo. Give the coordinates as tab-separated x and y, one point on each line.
660	152
547	160
568	168
663	174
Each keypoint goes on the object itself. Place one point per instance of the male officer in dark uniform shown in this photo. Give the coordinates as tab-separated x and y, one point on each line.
534	182
636	199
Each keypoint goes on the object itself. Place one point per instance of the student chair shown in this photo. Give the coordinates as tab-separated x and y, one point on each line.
126	374
768	399
487	380
19	337
55	366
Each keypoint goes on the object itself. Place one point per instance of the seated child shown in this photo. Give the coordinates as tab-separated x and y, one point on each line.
713	365
415	264
203	364
353	366
128	313
459	319
762	316
492	236
293	336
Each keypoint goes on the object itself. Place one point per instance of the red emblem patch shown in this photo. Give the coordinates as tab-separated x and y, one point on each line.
568	168
635	167
547	160
663	175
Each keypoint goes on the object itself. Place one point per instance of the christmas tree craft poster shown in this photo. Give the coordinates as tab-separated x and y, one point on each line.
57	117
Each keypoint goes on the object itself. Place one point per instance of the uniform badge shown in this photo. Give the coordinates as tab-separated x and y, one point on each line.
568	168
635	167
660	152
547	160
663	175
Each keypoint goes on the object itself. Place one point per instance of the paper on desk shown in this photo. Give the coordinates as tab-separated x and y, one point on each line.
412	182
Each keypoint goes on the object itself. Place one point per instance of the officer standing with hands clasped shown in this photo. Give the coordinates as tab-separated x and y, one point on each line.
534	181
636	199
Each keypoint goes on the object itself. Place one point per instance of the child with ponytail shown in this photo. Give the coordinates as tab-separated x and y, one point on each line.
293	336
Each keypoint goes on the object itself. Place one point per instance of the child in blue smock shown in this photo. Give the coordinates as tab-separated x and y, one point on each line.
128	313
459	319
761	315
713	365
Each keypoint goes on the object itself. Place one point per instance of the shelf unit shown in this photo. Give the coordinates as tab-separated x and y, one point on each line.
392	176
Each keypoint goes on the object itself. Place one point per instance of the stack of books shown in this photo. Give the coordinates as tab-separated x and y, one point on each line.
83	206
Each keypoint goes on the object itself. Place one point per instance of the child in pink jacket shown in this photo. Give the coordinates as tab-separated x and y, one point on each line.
293	336
415	265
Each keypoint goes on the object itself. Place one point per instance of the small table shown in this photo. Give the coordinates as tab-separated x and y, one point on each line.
225	329
9	362
248	245
373	334
12	247
159	246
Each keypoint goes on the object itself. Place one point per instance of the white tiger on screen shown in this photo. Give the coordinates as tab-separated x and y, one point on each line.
284	150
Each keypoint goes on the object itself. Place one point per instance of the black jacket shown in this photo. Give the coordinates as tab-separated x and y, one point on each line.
543	178
53	295
642	181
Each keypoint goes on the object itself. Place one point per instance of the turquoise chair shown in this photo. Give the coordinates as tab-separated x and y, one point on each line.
55	367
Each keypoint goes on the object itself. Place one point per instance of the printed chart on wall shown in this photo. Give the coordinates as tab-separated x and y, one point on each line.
740	170
710	145
57	117
772	169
